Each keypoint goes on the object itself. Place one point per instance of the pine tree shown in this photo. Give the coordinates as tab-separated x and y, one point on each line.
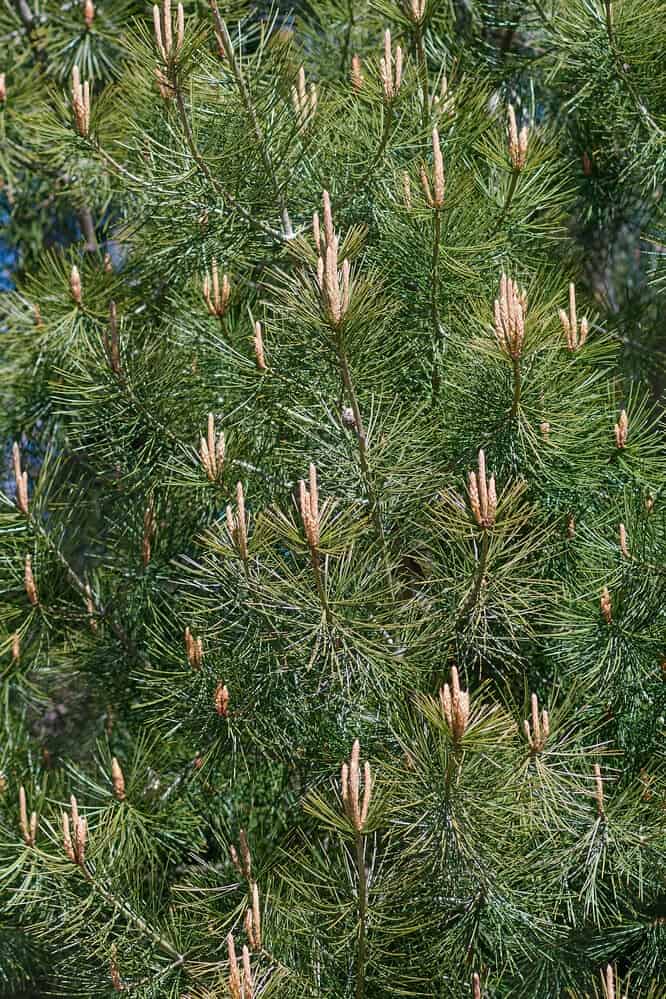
333	538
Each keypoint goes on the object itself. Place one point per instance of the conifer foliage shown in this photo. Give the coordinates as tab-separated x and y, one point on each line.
333	535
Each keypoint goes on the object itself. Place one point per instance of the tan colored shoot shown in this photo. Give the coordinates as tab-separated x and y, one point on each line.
80	103
455	706
576	335
482	494
510	309
212	450
356	807
21	481
390	69
537	734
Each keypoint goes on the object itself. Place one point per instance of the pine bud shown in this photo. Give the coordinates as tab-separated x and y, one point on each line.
215	295
304	101
75	285
309	504
571	526
510	309
356	808
88	12
259	347
624	548
21	481
544	427
356	73
163	26
390	69
37	313
68	846
598	790
28	829
608	977
476	986
237	524
16	647
248	983
3	88
415	10
434	195
108	264
576	336
517	142
80	107
482	494
194	649
118	779
455	706
212	450
622	429
605	603
221	700
539	731
29	582
234	983
256	916
334	285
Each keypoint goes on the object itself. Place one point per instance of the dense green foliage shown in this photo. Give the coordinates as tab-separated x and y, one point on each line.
340	422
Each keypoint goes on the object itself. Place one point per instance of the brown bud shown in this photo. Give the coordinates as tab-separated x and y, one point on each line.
605	604
624	548
517	142
544	427
118	779
75	285
390	69
88	12
434	196
476	986
16	647
510	309
29	582
21	479
80	107
28	829
482	494
258	342
537	733
194	649
309	504
237	524
212	450
576	335
455	706
221	700
3	88
622	429
234	983
355	807
248	982
356	73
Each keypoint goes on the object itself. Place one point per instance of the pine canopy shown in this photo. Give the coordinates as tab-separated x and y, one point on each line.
333	521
